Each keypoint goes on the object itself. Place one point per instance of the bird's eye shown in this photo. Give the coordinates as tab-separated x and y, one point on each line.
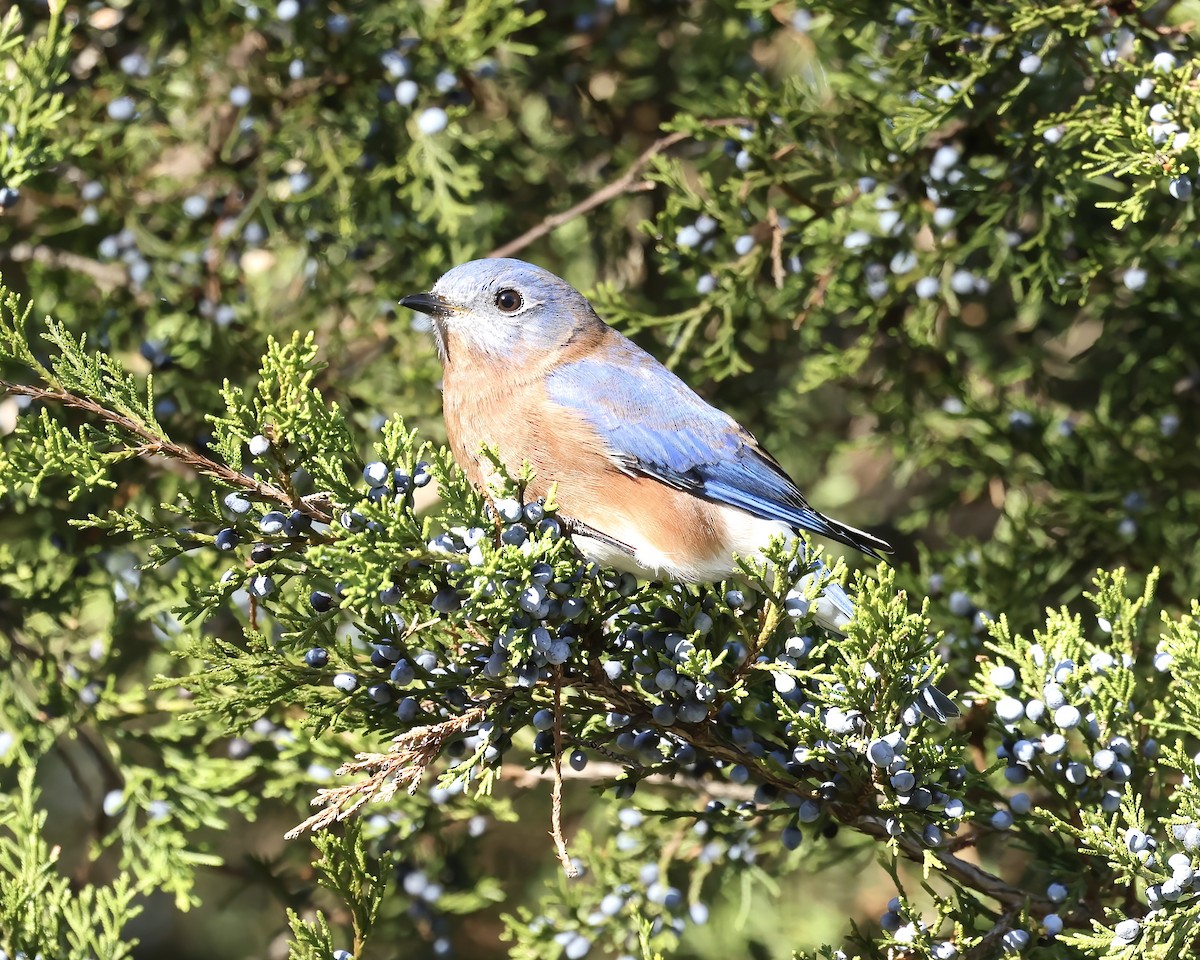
509	301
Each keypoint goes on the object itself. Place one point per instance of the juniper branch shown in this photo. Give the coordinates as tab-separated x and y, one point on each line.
703	739
153	445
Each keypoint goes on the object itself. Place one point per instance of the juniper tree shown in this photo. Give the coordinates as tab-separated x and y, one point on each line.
937	257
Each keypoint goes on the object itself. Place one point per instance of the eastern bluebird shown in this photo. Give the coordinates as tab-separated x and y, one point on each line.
651	479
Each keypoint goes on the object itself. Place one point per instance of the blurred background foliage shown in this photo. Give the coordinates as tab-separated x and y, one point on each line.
939	257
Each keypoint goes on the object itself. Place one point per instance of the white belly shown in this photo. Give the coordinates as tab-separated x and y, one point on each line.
745	535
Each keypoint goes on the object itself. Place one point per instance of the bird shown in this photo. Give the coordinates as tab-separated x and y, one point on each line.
649	477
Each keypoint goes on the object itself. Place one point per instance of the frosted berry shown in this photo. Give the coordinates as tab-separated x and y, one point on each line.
316	657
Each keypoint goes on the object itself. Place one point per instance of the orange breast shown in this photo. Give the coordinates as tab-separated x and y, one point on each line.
506	407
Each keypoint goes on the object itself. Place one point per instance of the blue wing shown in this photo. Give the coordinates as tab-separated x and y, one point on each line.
654	425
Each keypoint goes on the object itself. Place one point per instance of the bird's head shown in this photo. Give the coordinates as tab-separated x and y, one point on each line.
503	308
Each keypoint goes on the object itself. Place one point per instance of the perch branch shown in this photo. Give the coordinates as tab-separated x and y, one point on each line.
628	182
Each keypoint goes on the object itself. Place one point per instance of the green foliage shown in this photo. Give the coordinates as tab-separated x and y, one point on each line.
41	911
360	880
939	258
311	939
32	108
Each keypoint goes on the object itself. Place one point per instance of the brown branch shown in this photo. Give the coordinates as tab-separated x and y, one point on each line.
815	298
704	738
965	872
777	271
154	445
560	843
107	276
994	938
628	182
411	754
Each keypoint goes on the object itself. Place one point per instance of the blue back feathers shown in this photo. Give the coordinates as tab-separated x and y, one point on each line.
656	426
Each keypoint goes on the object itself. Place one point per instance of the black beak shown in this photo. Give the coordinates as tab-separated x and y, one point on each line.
428	303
